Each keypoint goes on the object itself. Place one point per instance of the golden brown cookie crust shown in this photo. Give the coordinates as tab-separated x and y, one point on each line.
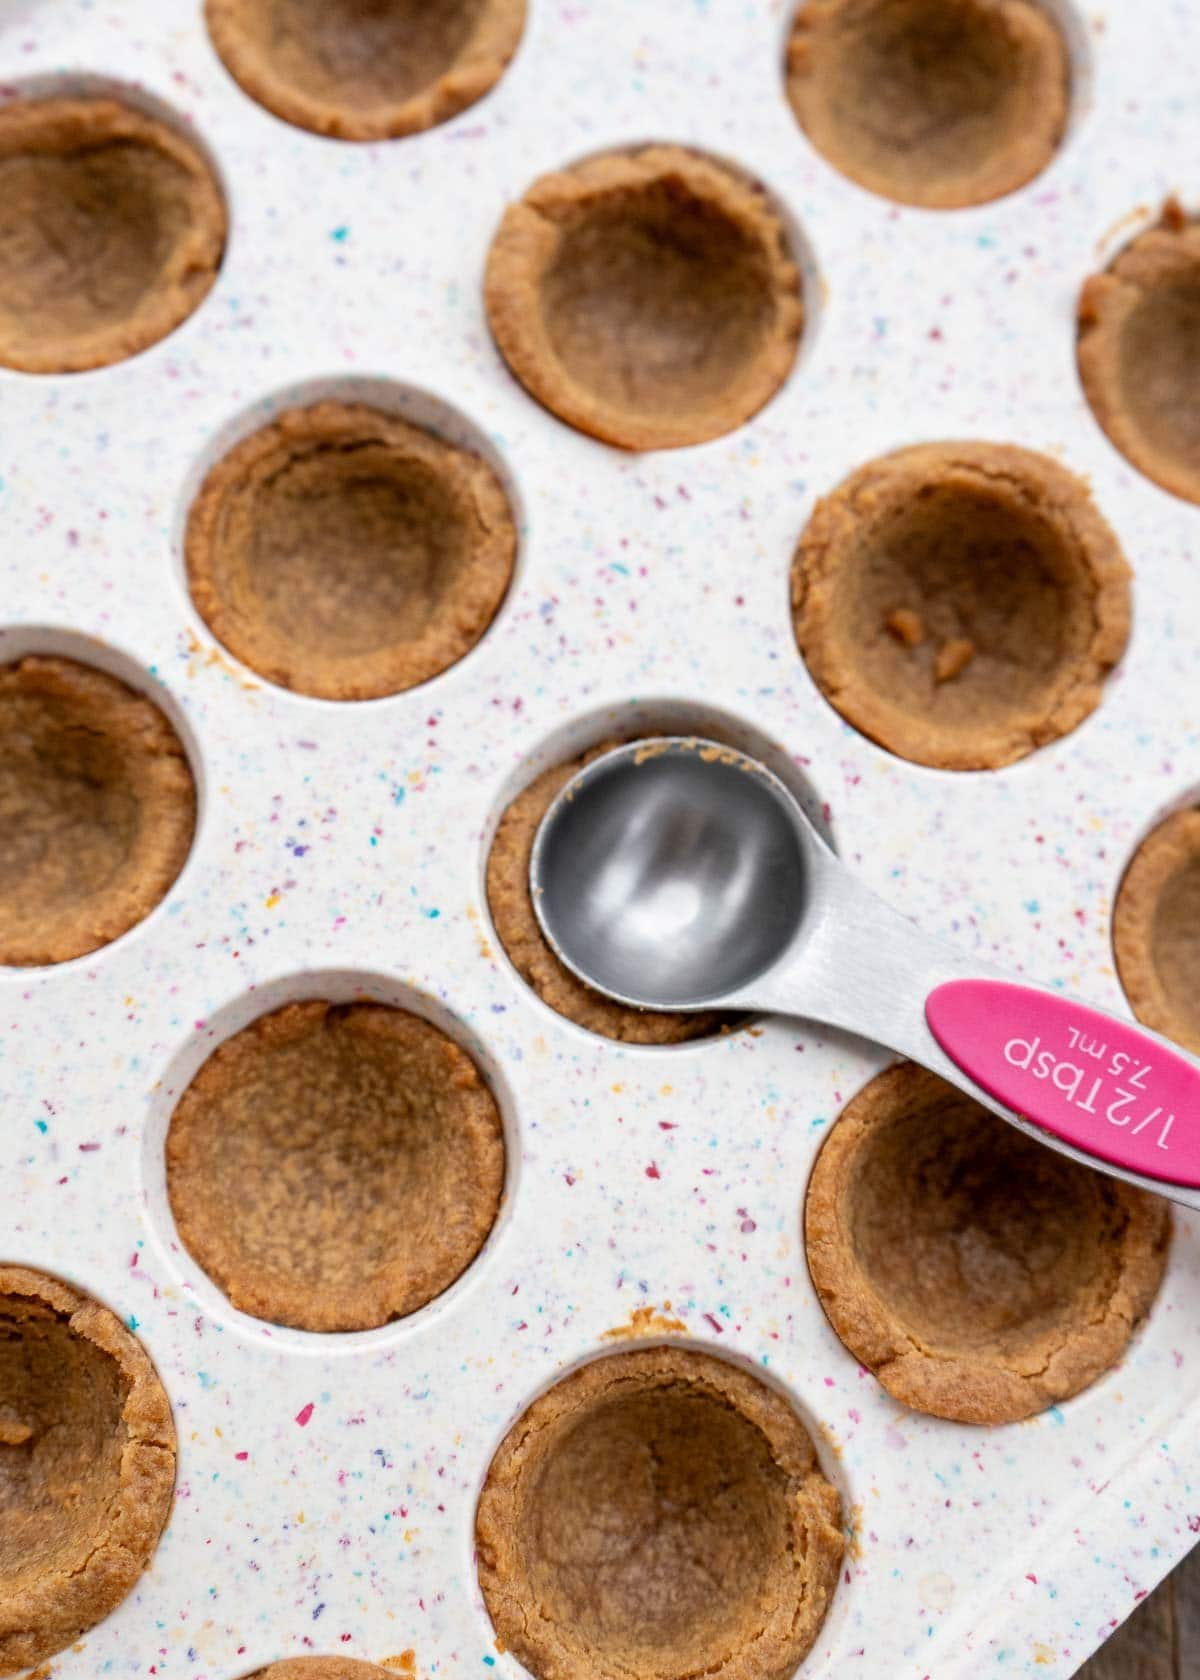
511	905
87	1464
97	809
648	298
320	1668
658	1513
981	1276
112	229
345	553
1156	930
1139	352
961	603
335	1166
356	73
940	103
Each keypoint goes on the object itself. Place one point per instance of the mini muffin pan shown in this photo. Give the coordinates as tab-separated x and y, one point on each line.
328	1481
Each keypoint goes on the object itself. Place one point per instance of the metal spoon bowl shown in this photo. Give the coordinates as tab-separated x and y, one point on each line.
671	873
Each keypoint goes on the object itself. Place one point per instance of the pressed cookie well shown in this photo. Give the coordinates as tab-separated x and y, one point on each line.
980	1275
960	603
1156	929
87	1464
366	71
656	1514
940	103
343	552
112	229
648	298
97	809
1139	351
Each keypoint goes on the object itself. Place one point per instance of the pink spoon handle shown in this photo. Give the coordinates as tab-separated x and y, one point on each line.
1100	1084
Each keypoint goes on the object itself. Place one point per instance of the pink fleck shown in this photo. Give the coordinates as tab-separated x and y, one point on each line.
652	1171
304	1414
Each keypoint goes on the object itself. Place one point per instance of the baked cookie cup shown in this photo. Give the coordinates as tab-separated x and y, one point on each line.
112	229
658	1514
979	1274
1156	930
1139	352
333	1167
355	71
97	809
648	298
345	553
936	103
961	603
87	1464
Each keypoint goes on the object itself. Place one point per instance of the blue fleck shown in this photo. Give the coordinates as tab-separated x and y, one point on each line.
340	235
41	1126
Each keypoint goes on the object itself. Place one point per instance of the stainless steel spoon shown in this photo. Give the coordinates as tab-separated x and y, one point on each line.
679	874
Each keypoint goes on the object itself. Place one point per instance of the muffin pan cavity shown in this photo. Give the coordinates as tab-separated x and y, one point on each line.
335	1166
649	298
657	1513
97	809
939	103
1139	352
961	603
112	229
1156	929
981	1276
347	553
366	69
87	1464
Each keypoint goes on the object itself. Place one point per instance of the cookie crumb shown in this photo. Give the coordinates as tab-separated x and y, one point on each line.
906	626
953	657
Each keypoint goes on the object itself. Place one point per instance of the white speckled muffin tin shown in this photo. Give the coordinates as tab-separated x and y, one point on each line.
327	1484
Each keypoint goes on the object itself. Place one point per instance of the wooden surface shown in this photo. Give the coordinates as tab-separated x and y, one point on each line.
1161	1640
